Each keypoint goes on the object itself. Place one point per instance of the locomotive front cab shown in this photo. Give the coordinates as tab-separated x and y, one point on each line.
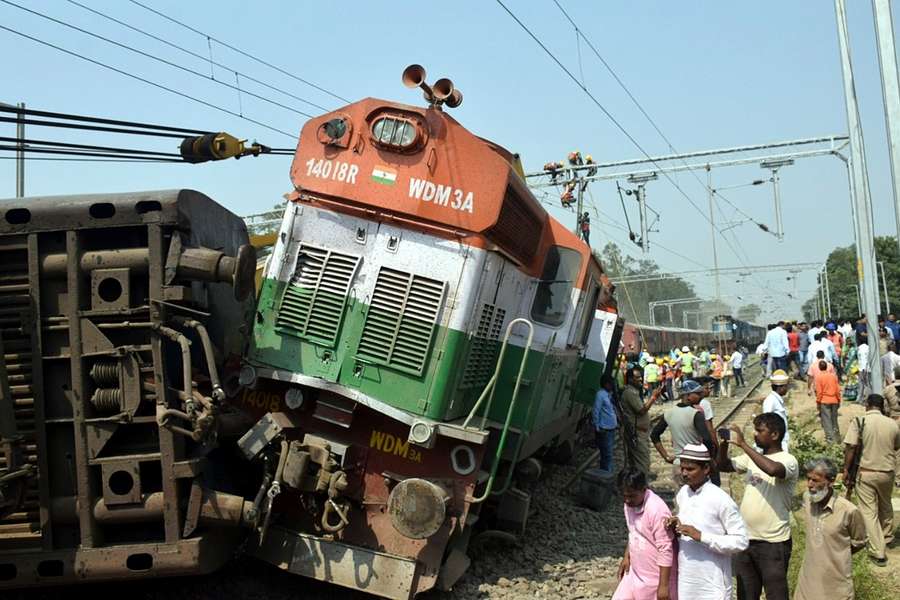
408	252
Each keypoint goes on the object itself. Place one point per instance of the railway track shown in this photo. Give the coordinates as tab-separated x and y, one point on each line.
736	409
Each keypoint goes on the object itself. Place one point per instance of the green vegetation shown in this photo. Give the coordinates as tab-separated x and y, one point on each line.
842	278
634	297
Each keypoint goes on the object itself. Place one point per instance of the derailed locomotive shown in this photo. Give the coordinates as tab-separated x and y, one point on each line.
423	329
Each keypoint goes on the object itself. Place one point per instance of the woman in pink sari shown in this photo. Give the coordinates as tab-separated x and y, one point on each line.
648	568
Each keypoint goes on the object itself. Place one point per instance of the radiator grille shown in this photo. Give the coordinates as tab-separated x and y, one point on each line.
518	228
401	320
483	354
313	302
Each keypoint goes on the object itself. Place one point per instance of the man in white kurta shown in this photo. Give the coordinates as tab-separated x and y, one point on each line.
711	530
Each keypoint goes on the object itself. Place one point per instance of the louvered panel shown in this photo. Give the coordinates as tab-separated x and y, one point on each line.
401	320
313	302
482	357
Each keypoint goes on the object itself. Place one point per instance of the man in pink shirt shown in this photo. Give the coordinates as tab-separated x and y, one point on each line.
647	570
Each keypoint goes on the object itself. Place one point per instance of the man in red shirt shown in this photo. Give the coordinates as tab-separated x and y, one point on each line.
828	398
814	371
793	349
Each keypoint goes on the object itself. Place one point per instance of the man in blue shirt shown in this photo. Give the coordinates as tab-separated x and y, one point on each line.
605	422
777	346
894	326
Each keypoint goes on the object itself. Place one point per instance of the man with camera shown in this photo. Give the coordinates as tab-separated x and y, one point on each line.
771	476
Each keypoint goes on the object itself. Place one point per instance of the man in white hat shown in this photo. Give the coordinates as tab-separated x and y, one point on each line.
710	527
774	402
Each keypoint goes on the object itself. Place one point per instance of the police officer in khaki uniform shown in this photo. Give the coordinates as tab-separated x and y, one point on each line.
877	438
892	409
636	420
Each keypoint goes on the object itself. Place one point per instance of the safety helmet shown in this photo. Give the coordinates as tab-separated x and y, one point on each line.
660	361
713	356
779	377
685	349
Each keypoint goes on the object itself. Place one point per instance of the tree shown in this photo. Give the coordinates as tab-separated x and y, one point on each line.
842	281
749	312
634	298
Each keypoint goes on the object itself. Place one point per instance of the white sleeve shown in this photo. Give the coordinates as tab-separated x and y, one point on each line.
735	538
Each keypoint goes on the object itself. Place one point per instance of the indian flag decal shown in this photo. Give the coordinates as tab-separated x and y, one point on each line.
385	175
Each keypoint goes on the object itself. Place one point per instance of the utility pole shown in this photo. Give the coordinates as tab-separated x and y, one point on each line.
20	152
20	148
890	90
580	204
827	289
860	199
887	299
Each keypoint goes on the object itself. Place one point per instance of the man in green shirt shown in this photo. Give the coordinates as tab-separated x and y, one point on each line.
687	363
636	420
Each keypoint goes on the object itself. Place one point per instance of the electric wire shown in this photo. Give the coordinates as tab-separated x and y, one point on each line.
73	152
144	80
239	51
158	59
197	55
615	76
81	126
88	119
103	160
62	145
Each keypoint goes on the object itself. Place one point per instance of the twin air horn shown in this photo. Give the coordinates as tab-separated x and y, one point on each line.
442	92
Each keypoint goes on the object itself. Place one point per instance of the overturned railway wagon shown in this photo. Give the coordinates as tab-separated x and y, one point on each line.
117	314
424	332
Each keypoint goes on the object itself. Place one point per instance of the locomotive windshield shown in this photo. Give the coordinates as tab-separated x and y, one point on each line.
551	302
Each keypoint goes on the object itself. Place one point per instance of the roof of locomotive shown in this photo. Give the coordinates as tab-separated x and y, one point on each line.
449	179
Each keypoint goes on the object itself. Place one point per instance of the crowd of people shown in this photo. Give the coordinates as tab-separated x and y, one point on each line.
710	544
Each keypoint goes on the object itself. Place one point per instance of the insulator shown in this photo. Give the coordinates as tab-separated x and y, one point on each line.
105	372
107	400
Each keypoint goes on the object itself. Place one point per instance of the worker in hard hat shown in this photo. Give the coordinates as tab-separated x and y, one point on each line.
688	361
651	375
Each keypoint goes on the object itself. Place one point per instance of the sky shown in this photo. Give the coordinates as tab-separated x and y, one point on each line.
709	74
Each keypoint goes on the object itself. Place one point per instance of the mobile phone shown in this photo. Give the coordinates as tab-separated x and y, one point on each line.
725	433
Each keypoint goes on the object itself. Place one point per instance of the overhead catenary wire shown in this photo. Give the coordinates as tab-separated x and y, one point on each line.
239	51
640	108
144	80
197	55
89	119
74	152
103	160
63	145
158	59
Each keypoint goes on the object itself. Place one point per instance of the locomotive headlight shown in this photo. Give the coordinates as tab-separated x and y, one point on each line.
417	508
294	398
421	433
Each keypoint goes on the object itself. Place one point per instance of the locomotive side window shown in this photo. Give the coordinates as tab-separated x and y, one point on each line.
551	302
589	308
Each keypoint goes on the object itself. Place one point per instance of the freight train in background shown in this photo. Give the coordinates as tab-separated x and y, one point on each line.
424	332
659	340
